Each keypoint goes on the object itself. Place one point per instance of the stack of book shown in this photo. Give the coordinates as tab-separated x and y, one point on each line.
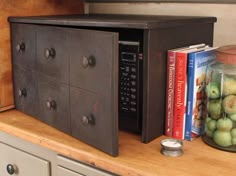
185	90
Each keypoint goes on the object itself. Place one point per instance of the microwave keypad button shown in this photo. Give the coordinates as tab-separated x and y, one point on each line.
124	103
133	109
133	90
133	76
125	74
133	96
124	108
127	68
133	83
133	69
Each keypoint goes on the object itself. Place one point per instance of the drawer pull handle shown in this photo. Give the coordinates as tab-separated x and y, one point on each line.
20	47
49	53
22	92
11	169
87	61
87	120
51	104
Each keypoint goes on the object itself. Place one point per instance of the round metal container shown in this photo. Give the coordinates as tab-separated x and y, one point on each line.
172	147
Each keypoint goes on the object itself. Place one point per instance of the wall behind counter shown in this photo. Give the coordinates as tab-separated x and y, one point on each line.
226	14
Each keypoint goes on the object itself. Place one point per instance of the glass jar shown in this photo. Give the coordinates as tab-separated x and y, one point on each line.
220	123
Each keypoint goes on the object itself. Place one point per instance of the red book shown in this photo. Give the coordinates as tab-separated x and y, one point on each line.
170	87
179	98
170	92
180	92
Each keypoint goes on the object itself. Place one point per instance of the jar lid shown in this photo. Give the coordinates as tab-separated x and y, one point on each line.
226	54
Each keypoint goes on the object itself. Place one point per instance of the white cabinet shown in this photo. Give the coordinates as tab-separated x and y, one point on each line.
22	158
66	172
17	162
78	167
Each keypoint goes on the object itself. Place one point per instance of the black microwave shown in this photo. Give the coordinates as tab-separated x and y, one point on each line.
130	86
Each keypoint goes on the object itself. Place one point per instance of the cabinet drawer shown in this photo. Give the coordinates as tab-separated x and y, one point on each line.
93	60
52	53
80	168
25	90
54	103
93	120
21	163
66	172
23	45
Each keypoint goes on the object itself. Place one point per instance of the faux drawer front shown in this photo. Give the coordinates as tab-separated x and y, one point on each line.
52	53
23	45
17	162
25	90
78	168
54	103
66	172
93	60
94	120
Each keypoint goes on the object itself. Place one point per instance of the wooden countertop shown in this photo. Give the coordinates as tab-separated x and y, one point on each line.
135	158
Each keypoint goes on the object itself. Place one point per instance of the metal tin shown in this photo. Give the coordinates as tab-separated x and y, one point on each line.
171	147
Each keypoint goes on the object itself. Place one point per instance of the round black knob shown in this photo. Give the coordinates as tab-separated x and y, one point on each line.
11	169
51	104
87	120
49	53
84	62
22	92
87	61
20	47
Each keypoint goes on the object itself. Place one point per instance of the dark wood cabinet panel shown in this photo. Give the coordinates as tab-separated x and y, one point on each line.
93	57
58	49
93	120
158	42
23	46
25	90
52	53
80	80
54	103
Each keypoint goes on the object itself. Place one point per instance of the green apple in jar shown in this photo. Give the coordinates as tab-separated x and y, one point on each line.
211	125
233	117
214	108
224	124
229	104
222	138
233	134
212	90
209	133
229	85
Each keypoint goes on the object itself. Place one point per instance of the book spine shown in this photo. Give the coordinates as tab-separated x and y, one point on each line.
190	95
170	93
180	94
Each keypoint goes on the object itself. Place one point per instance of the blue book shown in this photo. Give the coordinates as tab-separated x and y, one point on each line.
198	63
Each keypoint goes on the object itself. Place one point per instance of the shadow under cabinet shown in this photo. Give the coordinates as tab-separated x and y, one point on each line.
85	74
